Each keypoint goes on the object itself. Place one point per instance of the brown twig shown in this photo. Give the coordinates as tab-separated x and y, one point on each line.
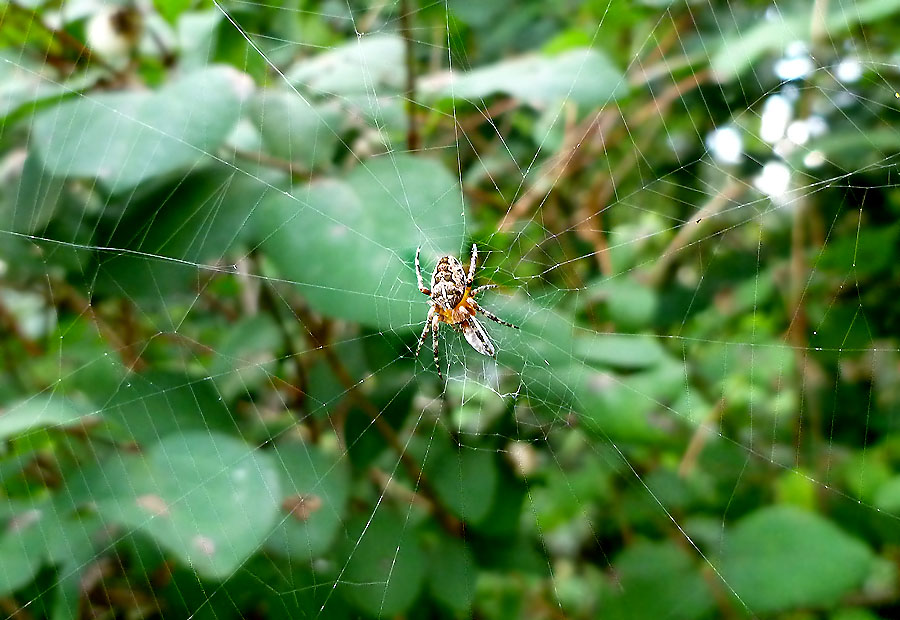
660	105
297	171
82	306
669	39
64	38
8	322
13	610
564	163
604	188
559	166
698	440
413	141
691	230
662	66
809	374
720	595
447	520
474	121
302	387
567	160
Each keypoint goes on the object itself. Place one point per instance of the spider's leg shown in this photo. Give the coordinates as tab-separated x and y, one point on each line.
425	331
421	283
493	316
481	289
476	335
434	339
472	261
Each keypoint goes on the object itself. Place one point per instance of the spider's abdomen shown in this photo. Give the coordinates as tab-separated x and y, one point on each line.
448	283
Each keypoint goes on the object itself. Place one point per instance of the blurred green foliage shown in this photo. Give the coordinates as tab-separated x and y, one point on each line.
209	213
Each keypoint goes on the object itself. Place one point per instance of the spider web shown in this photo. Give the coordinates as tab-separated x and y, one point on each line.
624	435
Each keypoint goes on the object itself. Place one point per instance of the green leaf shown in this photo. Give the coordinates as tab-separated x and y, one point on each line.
18	564
384	566
84	363
560	500
692	407
853	613
67	590
740	53
782	557
31	203
631	304
294	129
39	533
862	254
619	350
245	357
617	407
125	138
315	487
197	33
865	473
888	496
155	404
550	355
171	9
371	64
359	238
198	222
585	76
453	574
856	149
40	411
797	488
207	498
659	580
573	38
23	82
465	479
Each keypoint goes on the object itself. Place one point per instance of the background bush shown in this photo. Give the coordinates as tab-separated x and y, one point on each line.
209	214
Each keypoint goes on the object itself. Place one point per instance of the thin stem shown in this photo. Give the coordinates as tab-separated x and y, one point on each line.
413	141
447	520
65	39
297	171
302	387
702	433
691	230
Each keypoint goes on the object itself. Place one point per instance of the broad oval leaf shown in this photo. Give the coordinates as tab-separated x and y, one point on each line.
39	534
152	405
39	412
245	356
30	203
205	497
453	575
18	564
349	245
315	488
25	82
294	129
196	224
658	580
465	480
368	65
584	76
782	557
888	496
124	138
385	567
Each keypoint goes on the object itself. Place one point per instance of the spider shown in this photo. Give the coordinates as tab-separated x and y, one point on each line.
452	301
